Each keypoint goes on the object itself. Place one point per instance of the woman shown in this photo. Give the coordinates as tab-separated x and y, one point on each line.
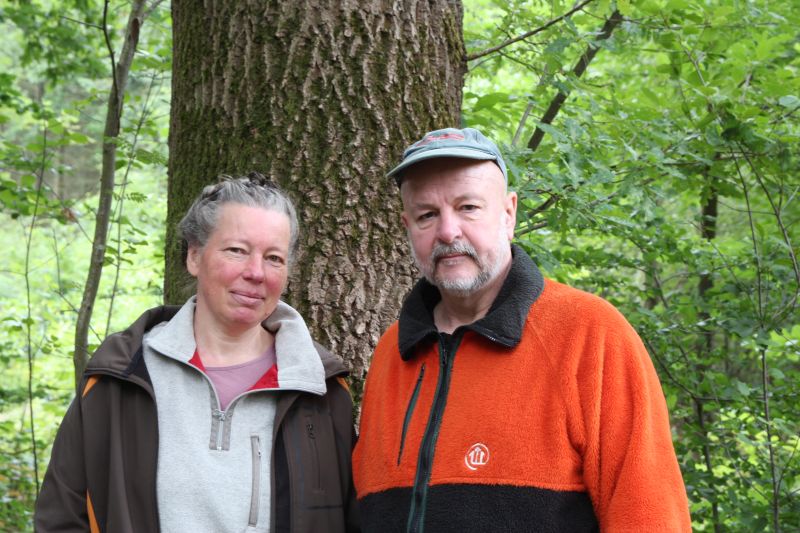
220	415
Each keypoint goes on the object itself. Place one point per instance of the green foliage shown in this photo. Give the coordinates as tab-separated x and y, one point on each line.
668	183
54	87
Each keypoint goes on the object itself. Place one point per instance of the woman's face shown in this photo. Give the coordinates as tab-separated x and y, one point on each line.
242	270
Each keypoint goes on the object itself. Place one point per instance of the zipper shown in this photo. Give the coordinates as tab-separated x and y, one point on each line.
312	439
255	492
412	402
220	429
416	514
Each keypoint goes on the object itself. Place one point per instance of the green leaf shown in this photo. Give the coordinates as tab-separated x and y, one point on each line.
490	100
743	388
79	138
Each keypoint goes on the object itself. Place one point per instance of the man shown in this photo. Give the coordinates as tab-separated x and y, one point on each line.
500	400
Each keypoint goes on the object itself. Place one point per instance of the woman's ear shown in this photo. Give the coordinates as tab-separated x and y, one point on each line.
193	259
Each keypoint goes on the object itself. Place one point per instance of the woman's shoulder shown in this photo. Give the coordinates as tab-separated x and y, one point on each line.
118	349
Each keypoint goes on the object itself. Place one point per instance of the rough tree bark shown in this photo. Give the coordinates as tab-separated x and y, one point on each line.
322	97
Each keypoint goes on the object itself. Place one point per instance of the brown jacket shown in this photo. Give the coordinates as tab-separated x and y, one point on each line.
102	472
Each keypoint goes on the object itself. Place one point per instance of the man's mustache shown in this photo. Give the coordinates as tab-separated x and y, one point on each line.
462	248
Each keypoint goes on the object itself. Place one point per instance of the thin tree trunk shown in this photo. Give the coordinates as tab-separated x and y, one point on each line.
705	345
120	72
322	97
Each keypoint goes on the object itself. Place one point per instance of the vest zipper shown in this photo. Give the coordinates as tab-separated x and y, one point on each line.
412	402
416	515
255	492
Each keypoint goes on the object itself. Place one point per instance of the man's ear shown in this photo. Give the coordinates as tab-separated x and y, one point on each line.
511	212
404	219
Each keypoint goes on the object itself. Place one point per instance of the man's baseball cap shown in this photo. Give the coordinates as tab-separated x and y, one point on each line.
468	143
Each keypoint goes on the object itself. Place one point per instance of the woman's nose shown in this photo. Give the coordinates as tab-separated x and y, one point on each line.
254	269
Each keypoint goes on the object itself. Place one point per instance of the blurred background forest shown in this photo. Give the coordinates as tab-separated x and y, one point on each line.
654	145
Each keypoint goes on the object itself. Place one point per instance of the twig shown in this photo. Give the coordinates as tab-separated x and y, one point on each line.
777	213
522	121
60	284
756	254
527	34
768	421
81	22
29	317
118	214
152	8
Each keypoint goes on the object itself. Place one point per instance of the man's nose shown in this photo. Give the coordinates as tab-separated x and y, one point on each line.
449	228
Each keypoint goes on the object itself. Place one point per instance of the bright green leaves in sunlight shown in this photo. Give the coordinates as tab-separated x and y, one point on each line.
668	181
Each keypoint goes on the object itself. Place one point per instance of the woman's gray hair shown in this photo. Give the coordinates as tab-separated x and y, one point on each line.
253	190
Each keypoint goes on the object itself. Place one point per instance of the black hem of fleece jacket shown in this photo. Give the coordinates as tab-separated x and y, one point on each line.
467	508
502	324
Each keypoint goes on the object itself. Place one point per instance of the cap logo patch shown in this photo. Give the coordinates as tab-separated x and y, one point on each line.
440	137
477	456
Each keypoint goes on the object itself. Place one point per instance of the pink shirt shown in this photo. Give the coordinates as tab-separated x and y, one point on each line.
231	381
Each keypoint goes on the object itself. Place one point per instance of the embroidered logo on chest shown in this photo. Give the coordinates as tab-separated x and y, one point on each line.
477	456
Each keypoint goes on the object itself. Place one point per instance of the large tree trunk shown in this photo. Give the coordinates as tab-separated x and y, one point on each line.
322	97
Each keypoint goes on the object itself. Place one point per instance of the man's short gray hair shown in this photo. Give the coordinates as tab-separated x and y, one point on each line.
252	190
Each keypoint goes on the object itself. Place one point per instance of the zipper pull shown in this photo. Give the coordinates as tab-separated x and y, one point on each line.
219	415
310	429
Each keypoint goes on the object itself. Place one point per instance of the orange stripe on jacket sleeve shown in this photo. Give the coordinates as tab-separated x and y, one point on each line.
343	383
91	382
93	526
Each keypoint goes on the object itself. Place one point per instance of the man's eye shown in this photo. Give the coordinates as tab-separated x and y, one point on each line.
236	250
276	259
427	215
469	207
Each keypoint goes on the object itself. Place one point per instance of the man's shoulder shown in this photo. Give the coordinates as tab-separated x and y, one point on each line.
567	302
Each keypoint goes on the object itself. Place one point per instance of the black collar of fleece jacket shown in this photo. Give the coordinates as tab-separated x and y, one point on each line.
502	324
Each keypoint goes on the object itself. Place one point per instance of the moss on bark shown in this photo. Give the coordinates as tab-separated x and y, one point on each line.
322	97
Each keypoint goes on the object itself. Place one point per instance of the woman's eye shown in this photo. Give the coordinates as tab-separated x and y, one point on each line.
236	250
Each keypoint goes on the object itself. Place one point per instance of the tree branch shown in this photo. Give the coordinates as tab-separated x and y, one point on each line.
558	101
482	53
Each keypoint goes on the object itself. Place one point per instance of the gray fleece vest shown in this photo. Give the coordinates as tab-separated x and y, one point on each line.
214	466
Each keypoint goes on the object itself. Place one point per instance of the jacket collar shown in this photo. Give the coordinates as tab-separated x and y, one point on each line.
299	366
121	353
502	324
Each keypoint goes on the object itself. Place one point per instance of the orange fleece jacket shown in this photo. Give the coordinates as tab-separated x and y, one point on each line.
575	406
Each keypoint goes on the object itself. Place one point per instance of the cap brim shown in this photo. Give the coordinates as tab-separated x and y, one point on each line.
461	153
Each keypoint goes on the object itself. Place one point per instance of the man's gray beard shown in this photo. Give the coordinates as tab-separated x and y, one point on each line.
463	286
